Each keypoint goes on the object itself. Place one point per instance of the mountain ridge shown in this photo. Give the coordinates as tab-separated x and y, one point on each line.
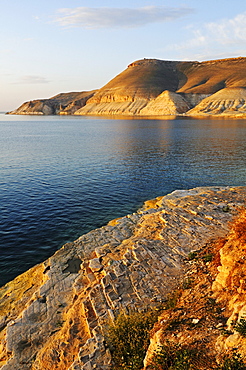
135	88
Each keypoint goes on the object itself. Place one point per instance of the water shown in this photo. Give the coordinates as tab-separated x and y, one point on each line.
61	177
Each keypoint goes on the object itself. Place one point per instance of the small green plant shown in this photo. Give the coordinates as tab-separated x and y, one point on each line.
233	362
240	327
184	359
187	283
128	339
172	299
226	208
192	255
207	258
177	357
212	306
173	357
59	323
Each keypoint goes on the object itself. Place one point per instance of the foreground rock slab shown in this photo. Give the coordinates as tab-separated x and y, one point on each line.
54	316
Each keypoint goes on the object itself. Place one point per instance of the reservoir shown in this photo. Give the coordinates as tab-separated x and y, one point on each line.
62	176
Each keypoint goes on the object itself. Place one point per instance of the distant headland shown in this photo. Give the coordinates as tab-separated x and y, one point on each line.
152	87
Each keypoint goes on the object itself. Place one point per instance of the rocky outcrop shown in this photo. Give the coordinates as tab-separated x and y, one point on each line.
193	99
136	88
166	104
208	319
55	315
132	89
230	285
226	102
128	108
64	103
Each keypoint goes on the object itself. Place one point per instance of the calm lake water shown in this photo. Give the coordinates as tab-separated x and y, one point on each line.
61	177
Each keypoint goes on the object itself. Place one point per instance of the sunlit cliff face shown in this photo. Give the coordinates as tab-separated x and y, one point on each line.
210	304
230	284
219	85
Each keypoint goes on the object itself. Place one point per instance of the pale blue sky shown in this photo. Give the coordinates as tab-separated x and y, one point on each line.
54	46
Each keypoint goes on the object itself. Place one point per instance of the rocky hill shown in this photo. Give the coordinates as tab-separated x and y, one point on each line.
227	102
135	90
167	103
64	103
57	315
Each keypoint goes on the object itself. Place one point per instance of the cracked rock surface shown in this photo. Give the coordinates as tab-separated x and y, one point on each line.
54	315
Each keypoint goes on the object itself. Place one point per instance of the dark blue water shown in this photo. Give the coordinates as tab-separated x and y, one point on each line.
60	177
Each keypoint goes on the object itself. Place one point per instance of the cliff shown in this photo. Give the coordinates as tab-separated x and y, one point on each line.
135	90
55	315
167	103
207	322
225	102
64	103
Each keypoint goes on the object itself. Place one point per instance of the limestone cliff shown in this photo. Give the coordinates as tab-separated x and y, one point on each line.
133	88
230	284
54	316
226	102
133	91
167	103
64	103
211	305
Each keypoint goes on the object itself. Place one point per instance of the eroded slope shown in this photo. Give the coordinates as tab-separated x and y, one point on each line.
143	81
225	102
205	320
63	103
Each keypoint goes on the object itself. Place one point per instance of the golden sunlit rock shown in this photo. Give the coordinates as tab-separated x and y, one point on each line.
153	87
55	315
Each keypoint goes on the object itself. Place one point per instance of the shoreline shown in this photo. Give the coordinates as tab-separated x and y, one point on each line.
130	263
137	116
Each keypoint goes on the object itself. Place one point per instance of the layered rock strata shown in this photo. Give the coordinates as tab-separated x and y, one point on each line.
54	316
135	90
226	102
130	91
64	103
167	103
210	306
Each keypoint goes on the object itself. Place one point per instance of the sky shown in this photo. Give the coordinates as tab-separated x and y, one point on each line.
54	46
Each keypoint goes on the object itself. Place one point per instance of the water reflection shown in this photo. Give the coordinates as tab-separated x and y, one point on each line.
158	156
61	177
